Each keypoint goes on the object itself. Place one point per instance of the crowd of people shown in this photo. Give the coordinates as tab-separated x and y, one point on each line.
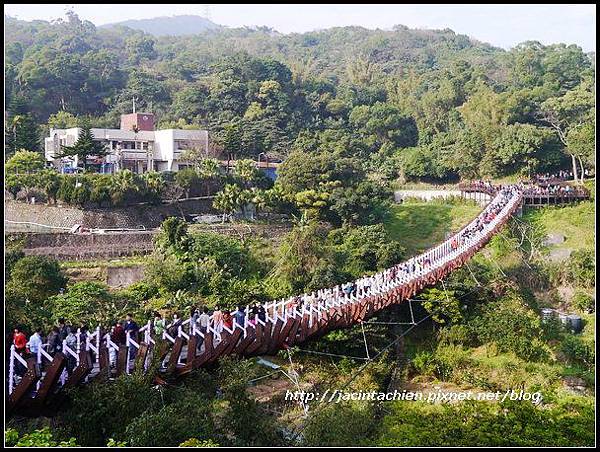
201	319
557	177
552	185
64	335
553	190
60	335
480	185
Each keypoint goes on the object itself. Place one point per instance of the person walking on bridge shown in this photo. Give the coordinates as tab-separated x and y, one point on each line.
35	345
240	316
132	328
227	319
203	319
159	325
54	342
63	329
218	320
20	343
118	334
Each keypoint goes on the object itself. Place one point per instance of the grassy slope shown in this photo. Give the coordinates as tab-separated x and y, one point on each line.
420	225
576	223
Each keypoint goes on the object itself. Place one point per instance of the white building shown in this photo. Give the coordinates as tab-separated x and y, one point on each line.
135	146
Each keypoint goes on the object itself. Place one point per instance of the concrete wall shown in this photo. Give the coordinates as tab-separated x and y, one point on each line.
65	246
428	195
127	217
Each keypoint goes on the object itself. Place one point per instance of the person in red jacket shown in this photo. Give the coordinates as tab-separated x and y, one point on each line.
20	342
227	319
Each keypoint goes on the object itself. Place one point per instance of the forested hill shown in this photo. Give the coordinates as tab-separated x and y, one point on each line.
168	26
428	103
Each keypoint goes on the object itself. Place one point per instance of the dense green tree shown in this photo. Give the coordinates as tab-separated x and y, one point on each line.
525	146
24	162
366	249
187	178
86	302
567	112
21	131
37	277
101	190
49	180
123	184
84	147
383	123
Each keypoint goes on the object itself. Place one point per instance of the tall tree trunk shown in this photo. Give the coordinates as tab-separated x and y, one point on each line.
582	168
574	161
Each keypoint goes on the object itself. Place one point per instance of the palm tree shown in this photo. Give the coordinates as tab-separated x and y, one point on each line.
154	184
122	183
209	170
246	171
228	200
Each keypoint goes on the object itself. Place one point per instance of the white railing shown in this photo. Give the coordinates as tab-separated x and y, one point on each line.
315	304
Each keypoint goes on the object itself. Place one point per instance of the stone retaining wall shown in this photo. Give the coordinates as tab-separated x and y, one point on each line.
126	217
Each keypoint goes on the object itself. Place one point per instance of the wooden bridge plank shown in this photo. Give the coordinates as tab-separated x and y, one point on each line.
175	353
258	341
21	390
142	354
285	331
121	360
274	341
81	371
201	359
227	340
242	345
104	361
192	348
292	335
266	338
53	373
233	341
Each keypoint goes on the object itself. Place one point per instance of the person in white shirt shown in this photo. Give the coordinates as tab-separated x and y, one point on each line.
203	319
35	342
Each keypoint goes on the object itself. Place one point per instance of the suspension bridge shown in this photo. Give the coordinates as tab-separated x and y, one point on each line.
286	322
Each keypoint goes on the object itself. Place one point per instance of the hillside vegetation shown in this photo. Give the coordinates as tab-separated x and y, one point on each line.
417	104
352	113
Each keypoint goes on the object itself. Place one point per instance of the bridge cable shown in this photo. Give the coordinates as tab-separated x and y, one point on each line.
365	339
330	354
361	369
296	380
472	274
412	315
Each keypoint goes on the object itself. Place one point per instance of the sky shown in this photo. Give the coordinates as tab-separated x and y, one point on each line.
500	25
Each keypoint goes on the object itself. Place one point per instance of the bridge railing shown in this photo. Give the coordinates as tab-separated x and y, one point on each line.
317	303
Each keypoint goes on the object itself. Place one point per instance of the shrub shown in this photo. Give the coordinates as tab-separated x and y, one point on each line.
340	424
172	424
583	301
582	268
37	277
449	359
38	438
90	303
579	350
513	326
424	363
